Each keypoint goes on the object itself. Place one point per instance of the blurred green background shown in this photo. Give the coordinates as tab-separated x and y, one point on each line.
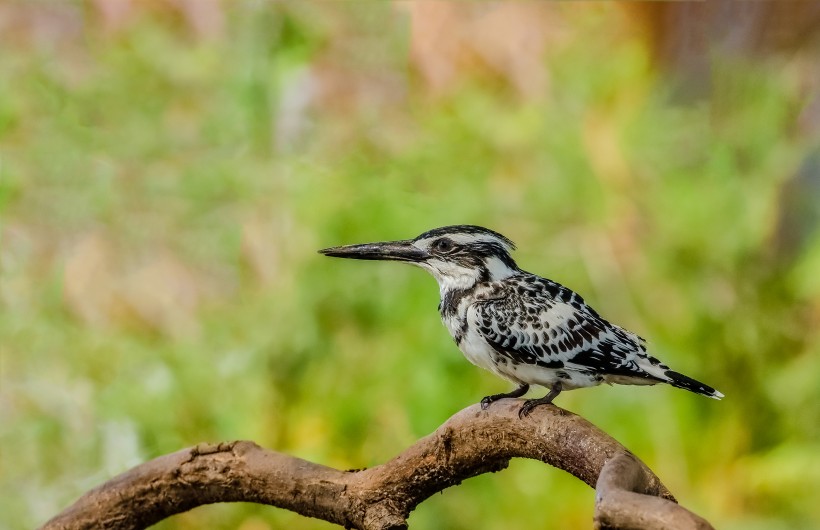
169	168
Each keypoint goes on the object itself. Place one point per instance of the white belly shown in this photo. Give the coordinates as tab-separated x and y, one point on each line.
480	353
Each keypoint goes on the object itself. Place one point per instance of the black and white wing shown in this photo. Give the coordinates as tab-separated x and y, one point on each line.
535	321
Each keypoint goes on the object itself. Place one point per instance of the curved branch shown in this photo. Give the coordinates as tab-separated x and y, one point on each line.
470	443
624	500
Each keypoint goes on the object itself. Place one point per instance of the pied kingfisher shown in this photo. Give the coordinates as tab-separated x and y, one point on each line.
523	328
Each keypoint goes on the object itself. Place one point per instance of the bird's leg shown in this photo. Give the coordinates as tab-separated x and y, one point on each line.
518	392
530	404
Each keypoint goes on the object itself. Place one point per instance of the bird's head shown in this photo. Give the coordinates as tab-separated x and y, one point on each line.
457	256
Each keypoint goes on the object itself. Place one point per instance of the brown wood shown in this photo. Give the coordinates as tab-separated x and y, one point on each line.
470	443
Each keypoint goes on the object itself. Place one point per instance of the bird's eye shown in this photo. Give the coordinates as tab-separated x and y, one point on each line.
443	245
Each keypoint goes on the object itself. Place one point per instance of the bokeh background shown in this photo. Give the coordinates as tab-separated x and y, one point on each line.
168	169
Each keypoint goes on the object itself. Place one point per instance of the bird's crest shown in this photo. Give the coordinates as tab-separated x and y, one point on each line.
468	234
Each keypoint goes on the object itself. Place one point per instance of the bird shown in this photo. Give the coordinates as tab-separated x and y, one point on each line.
521	327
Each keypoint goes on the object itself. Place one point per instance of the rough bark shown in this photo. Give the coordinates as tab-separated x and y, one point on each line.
470	443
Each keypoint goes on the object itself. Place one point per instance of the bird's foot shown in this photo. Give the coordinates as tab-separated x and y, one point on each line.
530	404
518	392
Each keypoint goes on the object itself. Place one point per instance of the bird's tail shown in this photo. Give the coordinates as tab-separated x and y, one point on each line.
687	383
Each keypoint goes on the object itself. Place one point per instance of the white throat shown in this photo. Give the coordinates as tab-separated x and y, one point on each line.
458	283
454	277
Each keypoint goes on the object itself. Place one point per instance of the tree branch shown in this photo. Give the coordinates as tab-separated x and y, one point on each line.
470	443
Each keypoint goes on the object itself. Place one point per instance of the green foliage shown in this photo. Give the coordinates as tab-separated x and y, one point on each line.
160	285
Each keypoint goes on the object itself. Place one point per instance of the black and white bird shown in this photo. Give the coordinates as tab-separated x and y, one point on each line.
523	328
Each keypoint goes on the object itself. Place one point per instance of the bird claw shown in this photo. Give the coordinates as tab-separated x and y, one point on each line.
486	402
528	406
525	409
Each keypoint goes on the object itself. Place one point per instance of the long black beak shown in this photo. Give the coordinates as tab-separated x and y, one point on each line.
388	250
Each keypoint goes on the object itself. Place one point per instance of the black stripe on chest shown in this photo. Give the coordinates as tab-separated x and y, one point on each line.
448	308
